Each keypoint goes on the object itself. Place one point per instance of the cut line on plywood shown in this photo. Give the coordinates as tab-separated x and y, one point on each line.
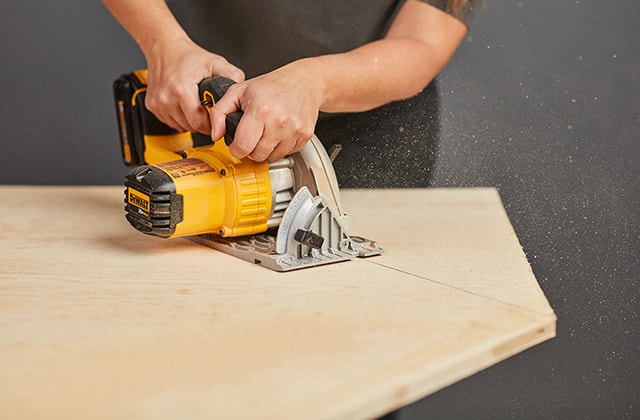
441	283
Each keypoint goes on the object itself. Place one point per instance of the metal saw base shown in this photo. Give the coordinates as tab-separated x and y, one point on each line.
261	250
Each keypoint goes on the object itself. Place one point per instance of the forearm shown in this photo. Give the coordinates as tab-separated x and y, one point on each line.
371	76
419	44
149	22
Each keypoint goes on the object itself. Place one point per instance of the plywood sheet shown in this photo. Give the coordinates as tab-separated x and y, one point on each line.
100	321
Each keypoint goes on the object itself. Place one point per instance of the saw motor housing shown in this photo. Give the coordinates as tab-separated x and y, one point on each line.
283	215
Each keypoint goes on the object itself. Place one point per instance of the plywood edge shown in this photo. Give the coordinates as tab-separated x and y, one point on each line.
423	380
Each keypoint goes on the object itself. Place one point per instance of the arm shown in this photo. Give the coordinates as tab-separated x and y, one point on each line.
176	64
420	42
281	107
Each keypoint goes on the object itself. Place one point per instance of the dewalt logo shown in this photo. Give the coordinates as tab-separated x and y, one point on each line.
136	198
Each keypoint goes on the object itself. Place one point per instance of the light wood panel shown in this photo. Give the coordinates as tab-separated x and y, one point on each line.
99	321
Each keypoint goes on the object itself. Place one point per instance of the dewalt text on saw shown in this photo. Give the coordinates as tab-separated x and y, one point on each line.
282	215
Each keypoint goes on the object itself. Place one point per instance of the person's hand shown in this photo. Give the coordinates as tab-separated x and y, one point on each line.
280	113
174	70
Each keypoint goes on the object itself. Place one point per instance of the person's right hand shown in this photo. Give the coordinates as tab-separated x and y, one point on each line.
175	68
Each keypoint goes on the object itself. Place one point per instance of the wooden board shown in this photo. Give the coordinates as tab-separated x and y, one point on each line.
98	321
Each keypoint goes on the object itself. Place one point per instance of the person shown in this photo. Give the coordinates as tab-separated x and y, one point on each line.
318	58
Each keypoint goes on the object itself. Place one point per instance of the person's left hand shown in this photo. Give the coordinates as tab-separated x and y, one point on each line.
280	113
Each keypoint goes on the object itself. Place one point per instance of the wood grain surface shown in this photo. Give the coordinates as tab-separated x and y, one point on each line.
98	321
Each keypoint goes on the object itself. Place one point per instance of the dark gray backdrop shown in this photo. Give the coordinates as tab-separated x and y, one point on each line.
541	101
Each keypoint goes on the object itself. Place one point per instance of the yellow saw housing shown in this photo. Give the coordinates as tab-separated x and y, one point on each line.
207	191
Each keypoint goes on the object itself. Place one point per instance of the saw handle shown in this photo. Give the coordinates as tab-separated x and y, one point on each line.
211	91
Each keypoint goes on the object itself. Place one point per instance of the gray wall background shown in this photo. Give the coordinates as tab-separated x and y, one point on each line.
541	101
57	115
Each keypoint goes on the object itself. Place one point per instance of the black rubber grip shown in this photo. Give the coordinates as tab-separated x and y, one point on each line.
217	87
